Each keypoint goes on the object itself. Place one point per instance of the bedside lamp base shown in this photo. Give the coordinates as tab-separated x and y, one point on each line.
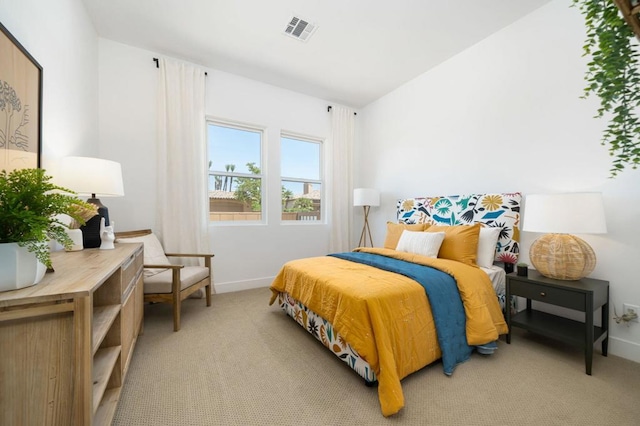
562	257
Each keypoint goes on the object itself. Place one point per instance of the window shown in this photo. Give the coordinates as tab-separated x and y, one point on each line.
235	172
301	178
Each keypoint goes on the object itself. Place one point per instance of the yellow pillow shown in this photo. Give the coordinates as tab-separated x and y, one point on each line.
460	242
394	231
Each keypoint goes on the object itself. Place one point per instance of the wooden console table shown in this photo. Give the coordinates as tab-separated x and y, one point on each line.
67	341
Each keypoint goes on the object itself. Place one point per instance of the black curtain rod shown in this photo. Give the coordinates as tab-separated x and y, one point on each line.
157	61
329	110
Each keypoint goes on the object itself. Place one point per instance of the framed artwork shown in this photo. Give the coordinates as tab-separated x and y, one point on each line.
20	105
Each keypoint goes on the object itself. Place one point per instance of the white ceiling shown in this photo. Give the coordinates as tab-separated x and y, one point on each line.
362	49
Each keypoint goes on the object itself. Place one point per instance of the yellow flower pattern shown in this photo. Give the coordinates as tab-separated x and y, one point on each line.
492	202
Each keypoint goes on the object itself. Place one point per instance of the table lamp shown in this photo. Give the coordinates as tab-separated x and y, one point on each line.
92	177
558	254
366	198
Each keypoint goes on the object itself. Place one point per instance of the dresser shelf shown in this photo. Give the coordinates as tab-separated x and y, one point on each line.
107	407
104	362
103	318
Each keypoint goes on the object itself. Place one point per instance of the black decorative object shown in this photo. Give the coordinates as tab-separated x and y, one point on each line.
91	232
523	270
508	267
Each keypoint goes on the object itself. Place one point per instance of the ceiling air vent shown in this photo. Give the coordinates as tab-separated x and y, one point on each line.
300	28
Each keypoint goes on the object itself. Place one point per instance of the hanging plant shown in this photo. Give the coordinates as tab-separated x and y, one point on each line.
612	75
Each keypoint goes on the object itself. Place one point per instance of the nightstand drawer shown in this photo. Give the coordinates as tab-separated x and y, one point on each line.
547	294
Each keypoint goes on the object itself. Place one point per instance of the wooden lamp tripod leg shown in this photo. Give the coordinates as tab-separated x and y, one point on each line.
365	229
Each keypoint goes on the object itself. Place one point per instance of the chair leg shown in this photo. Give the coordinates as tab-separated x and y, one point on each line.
176	313
207	292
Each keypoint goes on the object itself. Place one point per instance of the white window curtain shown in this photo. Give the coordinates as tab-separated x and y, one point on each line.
182	208
340	188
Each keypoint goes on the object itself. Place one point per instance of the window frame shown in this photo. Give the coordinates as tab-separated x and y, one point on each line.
237	125
321	181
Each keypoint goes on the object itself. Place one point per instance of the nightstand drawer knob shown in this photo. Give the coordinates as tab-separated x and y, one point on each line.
543	294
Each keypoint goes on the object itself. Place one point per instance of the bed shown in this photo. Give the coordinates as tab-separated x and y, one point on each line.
389	311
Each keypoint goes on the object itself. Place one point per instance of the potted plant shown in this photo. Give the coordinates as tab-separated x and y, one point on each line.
29	209
522	269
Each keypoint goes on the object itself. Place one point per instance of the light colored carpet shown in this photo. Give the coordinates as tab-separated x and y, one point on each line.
242	362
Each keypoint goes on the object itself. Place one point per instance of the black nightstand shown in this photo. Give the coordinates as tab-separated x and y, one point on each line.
585	295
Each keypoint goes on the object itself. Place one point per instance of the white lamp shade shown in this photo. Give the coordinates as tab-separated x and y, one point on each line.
87	176
573	213
366	197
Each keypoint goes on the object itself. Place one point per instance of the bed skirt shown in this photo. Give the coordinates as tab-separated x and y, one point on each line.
323	330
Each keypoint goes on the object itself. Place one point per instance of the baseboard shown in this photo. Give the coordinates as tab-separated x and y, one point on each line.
243	285
624	349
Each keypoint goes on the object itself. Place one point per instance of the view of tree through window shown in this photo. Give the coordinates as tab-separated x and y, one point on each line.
237	182
235	176
301	179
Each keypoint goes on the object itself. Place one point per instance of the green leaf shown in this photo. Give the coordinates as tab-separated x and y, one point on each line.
613	75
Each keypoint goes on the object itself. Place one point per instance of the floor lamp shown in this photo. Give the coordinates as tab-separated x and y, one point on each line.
366	198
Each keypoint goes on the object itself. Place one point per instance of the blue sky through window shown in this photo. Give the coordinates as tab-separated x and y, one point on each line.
233	146
299	159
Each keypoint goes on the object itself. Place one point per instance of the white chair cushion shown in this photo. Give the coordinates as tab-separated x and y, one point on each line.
153	252
161	283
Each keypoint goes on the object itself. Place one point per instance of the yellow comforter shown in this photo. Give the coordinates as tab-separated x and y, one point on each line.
385	316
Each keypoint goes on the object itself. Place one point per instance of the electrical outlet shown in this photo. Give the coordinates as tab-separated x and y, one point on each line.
631	309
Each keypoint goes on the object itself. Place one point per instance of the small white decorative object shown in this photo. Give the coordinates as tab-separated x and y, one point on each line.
76	236
107	236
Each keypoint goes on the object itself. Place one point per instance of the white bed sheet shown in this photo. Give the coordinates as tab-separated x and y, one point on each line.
498	277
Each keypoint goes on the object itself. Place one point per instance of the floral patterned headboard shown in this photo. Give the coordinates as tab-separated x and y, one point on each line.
496	210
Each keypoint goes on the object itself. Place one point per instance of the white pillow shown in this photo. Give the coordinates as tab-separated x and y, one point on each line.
487	242
153	252
424	243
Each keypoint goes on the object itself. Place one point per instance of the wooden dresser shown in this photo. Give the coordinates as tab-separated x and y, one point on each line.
66	343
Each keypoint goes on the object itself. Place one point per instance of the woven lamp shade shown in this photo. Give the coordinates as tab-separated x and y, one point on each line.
562	256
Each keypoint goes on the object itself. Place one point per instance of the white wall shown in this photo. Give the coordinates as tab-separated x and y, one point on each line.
504	116
61	37
246	255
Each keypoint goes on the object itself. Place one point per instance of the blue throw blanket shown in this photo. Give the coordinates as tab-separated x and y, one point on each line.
446	305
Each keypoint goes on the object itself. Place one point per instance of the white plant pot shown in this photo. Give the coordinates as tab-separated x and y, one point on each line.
76	237
19	267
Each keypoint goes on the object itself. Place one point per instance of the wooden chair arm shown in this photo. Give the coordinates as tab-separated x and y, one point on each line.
206	256
163	266
209	255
